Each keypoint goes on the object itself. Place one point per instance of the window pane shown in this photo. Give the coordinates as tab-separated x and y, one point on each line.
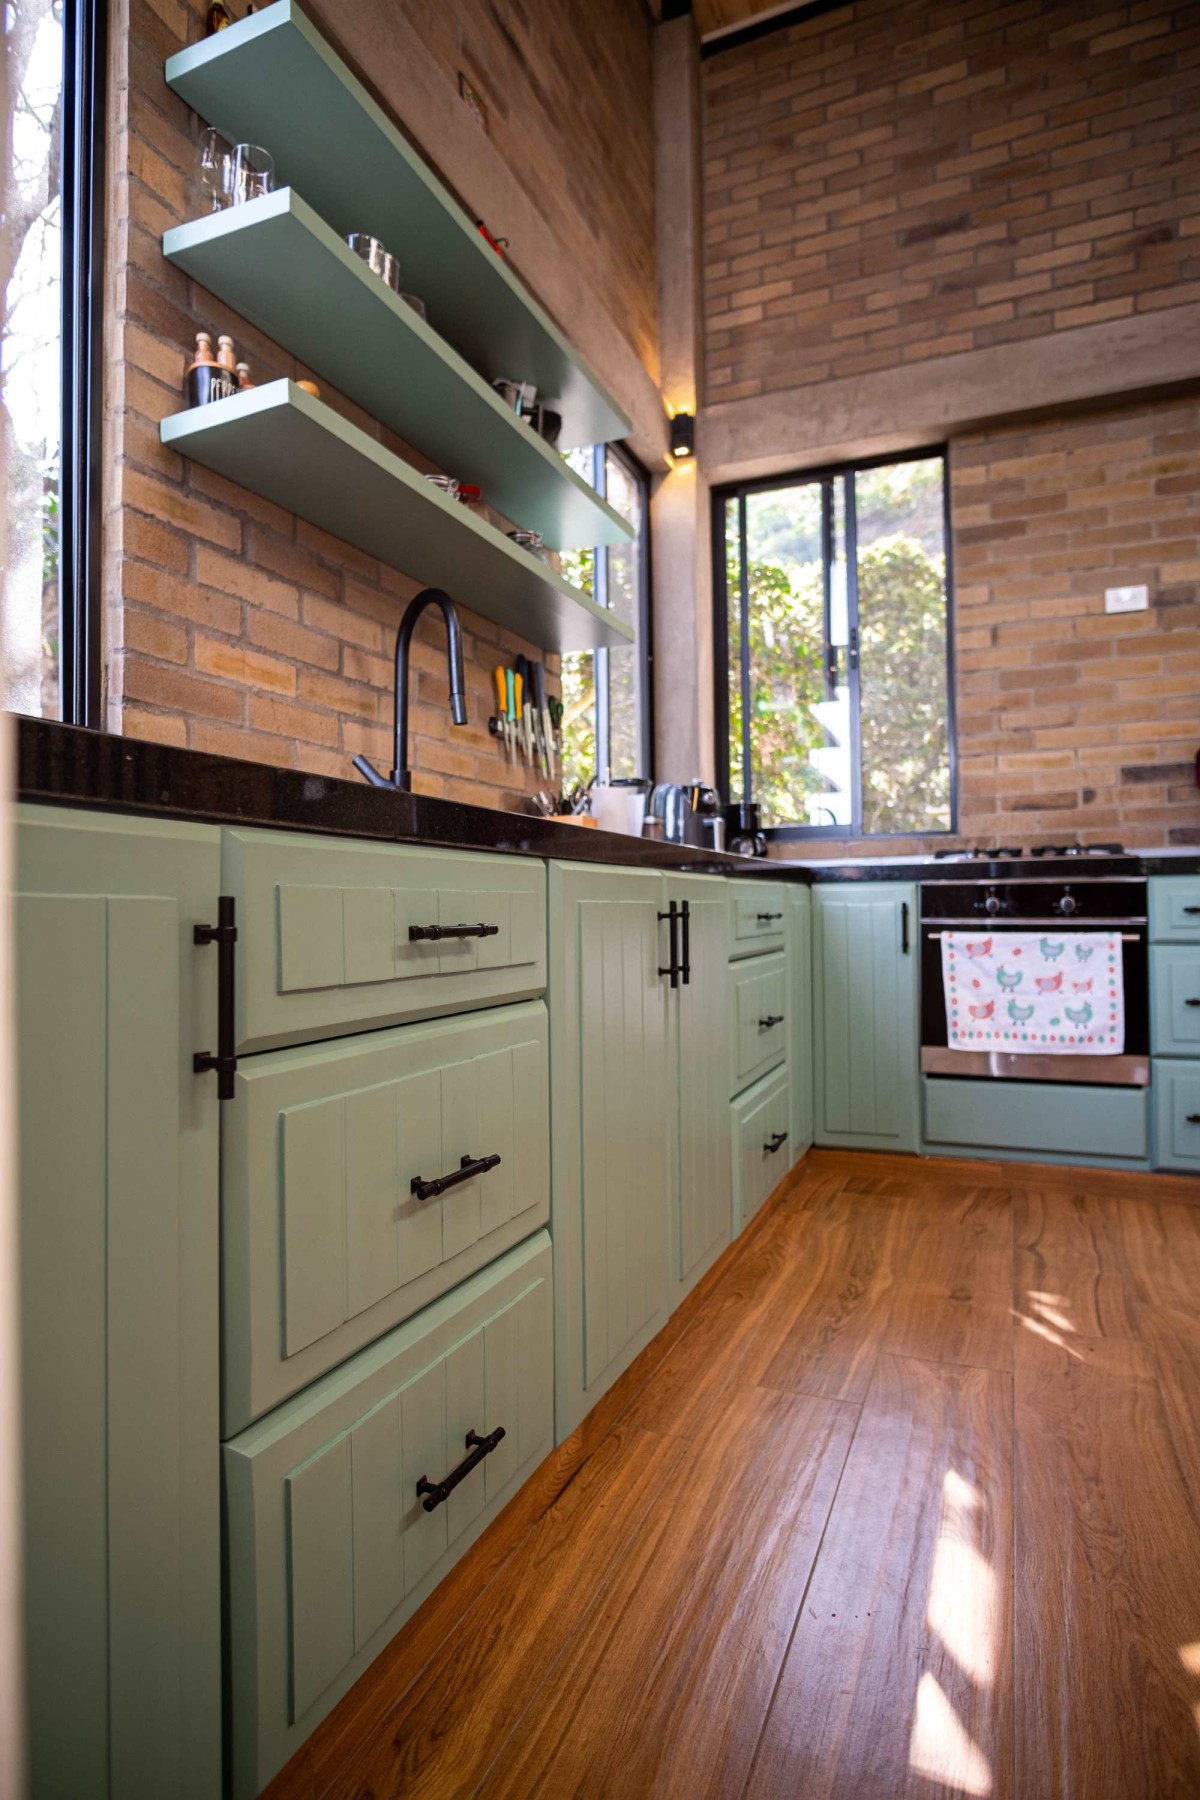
733	590
29	357
579	684
799	736
902	647
624	665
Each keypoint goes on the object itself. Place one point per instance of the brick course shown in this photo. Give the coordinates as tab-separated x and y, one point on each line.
888	184
231	625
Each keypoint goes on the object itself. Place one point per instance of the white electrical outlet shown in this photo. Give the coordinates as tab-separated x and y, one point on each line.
1126	599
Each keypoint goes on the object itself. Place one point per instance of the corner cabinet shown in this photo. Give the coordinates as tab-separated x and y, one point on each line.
639	1114
865	1004
118	1221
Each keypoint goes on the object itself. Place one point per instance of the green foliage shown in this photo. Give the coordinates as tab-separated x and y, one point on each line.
902	664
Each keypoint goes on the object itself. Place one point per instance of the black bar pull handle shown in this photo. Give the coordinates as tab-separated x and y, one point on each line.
765	918
434	1492
771	1019
672	918
1195	1001
685	913
224	935
904	928
468	1167
779	1138
433	934
1191	911
1193	1118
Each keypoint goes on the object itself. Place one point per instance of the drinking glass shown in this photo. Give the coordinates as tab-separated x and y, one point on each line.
253	172
214	162
377	257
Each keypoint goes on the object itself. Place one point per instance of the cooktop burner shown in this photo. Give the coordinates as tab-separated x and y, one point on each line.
1078	850
978	855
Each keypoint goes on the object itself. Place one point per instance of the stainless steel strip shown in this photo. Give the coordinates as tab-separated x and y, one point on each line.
1127	937
1003	1065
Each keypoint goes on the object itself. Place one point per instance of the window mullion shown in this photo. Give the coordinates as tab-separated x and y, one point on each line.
744	621
853	657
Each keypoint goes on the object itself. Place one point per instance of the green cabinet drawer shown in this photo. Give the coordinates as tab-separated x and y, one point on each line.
1176	1092
759	1023
756	916
330	1547
1053	1119
1175	909
761	1140
325	928
1175	1000
325	1244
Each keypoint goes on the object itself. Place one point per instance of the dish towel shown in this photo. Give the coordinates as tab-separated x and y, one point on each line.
1057	994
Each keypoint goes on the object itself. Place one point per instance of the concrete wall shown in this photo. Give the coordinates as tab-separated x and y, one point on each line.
230	624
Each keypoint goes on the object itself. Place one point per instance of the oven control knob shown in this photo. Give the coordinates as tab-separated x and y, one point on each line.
1067	905
992	905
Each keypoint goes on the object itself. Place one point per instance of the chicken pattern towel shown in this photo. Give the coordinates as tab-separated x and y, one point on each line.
1026	992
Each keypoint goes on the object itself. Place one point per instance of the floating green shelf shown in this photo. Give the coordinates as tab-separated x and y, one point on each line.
272	79
296	451
281	267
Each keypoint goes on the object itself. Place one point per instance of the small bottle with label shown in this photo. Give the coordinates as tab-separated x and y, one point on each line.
243	376
226	355
206	380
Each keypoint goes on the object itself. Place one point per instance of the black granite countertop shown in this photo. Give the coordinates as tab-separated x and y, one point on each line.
66	766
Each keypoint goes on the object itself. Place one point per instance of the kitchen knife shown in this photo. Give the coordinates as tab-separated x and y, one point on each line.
511	678
539	689
524	707
502	708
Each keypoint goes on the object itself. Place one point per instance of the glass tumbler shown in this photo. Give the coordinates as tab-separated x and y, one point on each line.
253	172
214	164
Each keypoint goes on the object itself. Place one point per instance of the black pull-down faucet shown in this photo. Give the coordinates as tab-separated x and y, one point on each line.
401	776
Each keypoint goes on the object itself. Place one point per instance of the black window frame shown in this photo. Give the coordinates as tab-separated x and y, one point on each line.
826	476
81	361
644	622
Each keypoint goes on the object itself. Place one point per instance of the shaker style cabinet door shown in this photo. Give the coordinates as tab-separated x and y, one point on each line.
865	996
613	1117
702	1062
118	1221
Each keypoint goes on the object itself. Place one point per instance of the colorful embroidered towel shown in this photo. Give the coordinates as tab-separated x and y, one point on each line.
1053	993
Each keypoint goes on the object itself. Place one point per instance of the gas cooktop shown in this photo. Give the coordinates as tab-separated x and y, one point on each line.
1013	853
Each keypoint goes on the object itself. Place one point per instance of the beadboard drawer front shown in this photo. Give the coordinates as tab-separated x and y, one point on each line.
759	1025
761	1153
1176	1092
756	917
1175	1001
324	933
1175	909
1057	1119
325	1245
330	1549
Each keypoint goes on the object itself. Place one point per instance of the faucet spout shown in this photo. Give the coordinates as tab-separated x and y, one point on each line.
401	775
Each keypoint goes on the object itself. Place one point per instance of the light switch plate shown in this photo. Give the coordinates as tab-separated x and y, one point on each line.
1126	599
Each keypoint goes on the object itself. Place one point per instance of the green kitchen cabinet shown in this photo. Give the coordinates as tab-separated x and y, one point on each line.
865	1003
800	1018
118	1220
639	1112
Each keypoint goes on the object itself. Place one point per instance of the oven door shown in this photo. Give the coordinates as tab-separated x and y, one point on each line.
1132	1069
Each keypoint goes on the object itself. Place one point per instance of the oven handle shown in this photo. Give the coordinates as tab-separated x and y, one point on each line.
1127	937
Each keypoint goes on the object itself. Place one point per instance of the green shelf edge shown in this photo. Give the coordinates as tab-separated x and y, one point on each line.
294	450
272	79
278	264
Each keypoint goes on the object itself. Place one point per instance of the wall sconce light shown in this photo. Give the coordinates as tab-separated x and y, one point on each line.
683	434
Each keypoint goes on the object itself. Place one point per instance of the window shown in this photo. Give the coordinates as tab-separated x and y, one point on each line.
606	693
834	702
50	358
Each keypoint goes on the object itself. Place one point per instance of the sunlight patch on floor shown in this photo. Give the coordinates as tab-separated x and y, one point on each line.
940	1747
1048	1317
962	1589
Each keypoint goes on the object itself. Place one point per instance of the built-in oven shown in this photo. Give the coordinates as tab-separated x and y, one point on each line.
1012	903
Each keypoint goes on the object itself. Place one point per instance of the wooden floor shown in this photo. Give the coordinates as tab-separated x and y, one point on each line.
911	1508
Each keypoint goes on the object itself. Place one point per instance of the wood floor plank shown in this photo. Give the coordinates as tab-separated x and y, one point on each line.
664	1688
1107	1553
1171	1335
954	1300
898	1679
1072	1274
440	1738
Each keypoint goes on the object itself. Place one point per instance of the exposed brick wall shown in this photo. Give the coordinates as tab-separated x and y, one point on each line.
891	183
1074	722
230	624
